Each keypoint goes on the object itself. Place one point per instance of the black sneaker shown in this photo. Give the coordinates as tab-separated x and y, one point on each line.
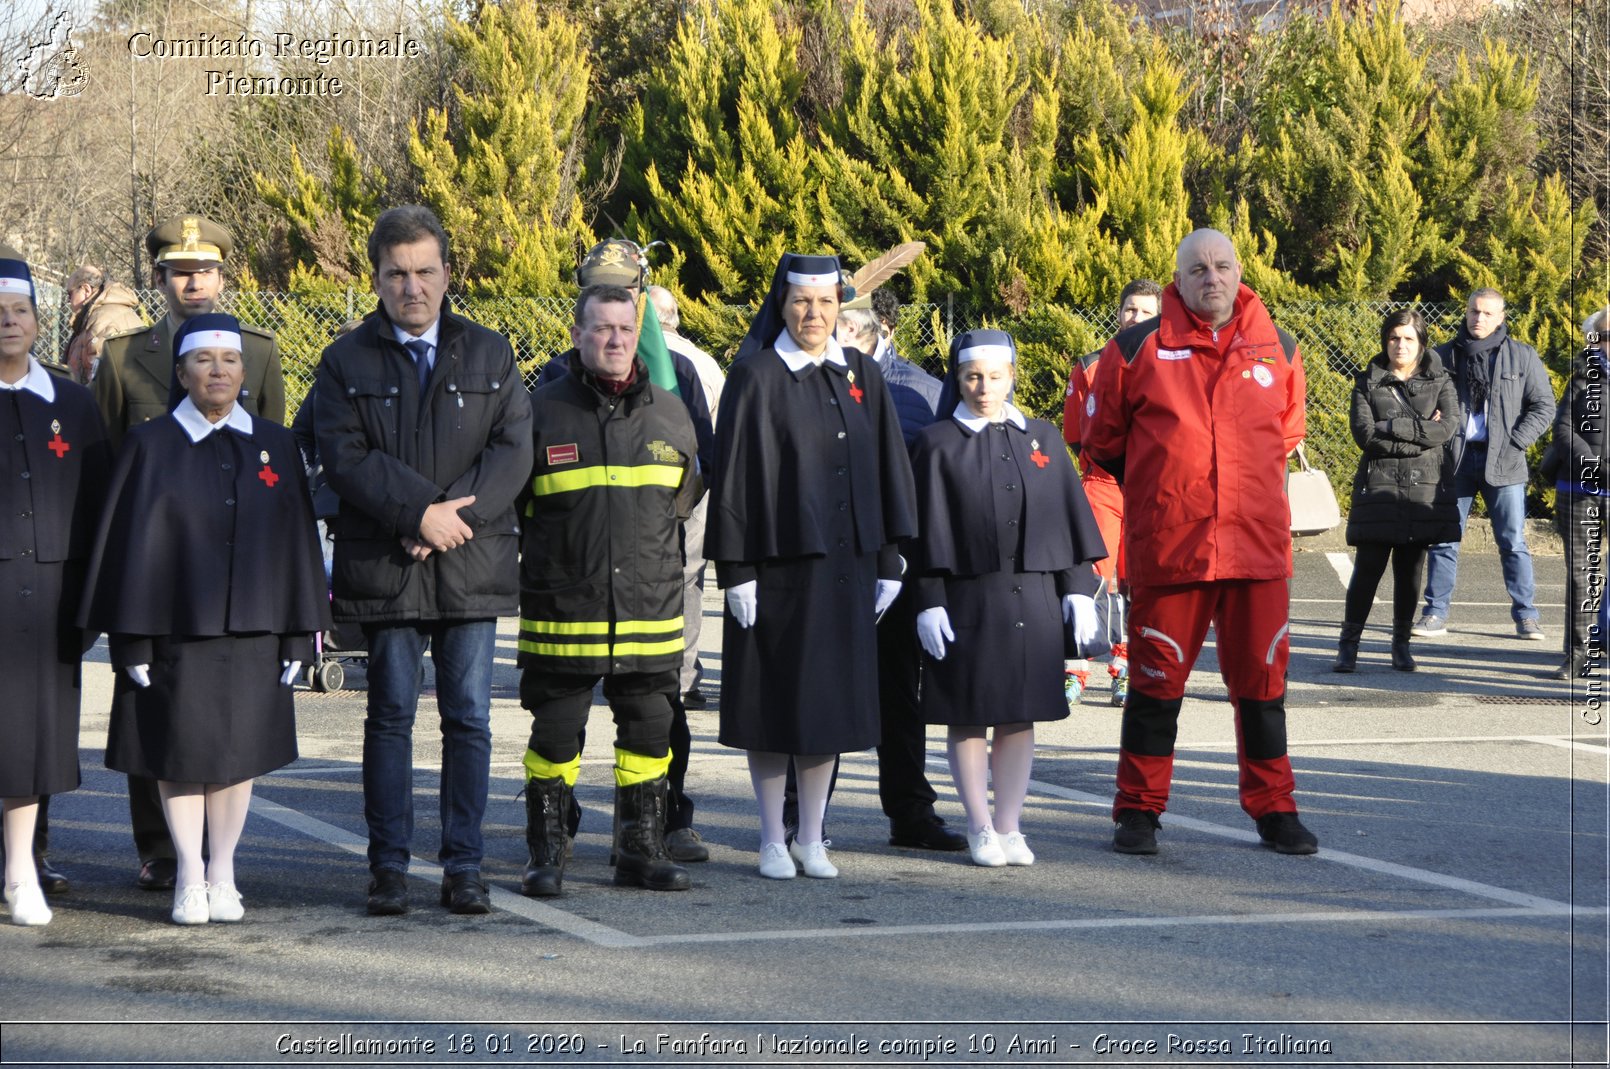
1135	832
1284	834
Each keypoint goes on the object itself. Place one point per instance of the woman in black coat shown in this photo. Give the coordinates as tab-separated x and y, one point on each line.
812	492
207	579
54	460
1405	409
1003	561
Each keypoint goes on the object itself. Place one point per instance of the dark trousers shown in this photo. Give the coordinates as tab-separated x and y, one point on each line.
903	788
1369	565
151	837
1580	519
678	806
559	703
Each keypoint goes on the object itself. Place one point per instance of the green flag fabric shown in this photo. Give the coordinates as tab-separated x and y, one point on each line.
652	350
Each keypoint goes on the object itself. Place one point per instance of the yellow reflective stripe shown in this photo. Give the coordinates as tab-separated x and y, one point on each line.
648	627
565	649
630	476
565	627
645	649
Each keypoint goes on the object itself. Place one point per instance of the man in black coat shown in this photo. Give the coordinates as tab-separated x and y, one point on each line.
1507	404
424	427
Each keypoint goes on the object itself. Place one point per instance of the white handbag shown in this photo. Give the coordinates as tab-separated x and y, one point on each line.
1313	502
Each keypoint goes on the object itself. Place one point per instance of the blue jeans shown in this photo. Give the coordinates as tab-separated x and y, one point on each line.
462	653
1506	507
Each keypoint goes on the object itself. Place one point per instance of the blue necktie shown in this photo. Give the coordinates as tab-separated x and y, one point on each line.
420	348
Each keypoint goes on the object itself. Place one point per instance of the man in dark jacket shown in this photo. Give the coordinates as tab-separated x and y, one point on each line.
616	472
424	427
618	262
1579	508
1507	403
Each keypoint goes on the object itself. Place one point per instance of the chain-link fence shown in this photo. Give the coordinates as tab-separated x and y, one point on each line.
1336	338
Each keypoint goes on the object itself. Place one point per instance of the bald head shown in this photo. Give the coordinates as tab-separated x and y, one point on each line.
1208	275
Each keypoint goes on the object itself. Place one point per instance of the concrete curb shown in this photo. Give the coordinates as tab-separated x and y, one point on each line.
1541	538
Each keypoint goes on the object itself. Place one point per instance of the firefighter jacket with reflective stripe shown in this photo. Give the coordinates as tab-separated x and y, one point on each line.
601	557
1196	424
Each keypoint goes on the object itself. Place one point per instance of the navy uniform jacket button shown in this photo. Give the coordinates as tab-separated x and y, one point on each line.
229	501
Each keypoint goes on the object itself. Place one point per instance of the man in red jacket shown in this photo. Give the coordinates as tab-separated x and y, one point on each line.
1195	413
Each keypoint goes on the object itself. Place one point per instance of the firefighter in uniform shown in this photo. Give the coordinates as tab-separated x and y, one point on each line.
135	382
1195	414
615	473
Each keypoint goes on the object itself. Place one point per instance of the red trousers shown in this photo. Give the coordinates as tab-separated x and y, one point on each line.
1166	627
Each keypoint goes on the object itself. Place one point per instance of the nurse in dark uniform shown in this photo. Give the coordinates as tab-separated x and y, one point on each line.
1002	564
207	578
813	491
54	460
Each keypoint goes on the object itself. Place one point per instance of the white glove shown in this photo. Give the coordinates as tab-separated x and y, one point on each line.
1080	611
741	603
140	673
292	669
933	628
888	590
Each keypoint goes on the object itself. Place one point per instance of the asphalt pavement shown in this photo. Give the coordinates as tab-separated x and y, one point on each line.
1455	915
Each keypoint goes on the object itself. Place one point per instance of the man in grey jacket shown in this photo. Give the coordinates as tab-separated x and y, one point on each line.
1506	404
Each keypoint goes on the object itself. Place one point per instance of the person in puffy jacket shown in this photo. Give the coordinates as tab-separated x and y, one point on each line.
1195	414
1405	409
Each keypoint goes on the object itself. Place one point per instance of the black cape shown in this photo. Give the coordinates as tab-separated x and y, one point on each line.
770	497
207	538
958	504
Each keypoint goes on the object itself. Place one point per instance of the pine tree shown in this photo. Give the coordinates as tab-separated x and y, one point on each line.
502	166
327	221
715	155
1532	254
1332	170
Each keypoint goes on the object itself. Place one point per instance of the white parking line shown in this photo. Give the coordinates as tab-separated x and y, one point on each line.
1521	904
558	919
1339	857
1335	917
1343	566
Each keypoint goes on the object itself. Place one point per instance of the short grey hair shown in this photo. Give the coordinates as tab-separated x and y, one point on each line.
1485	293
665	310
861	320
1594	324
86	275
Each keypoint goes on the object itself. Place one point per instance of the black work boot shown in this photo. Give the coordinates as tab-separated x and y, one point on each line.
1401	659
640	856
1347	649
547	808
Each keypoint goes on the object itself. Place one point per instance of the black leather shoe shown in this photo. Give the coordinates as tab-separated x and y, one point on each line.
388	893
694	698
157	874
926	835
463	892
51	881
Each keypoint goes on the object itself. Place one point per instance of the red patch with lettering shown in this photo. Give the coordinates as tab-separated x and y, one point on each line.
563	454
1039	458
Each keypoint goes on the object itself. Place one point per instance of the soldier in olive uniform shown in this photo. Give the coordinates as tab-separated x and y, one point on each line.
136	382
